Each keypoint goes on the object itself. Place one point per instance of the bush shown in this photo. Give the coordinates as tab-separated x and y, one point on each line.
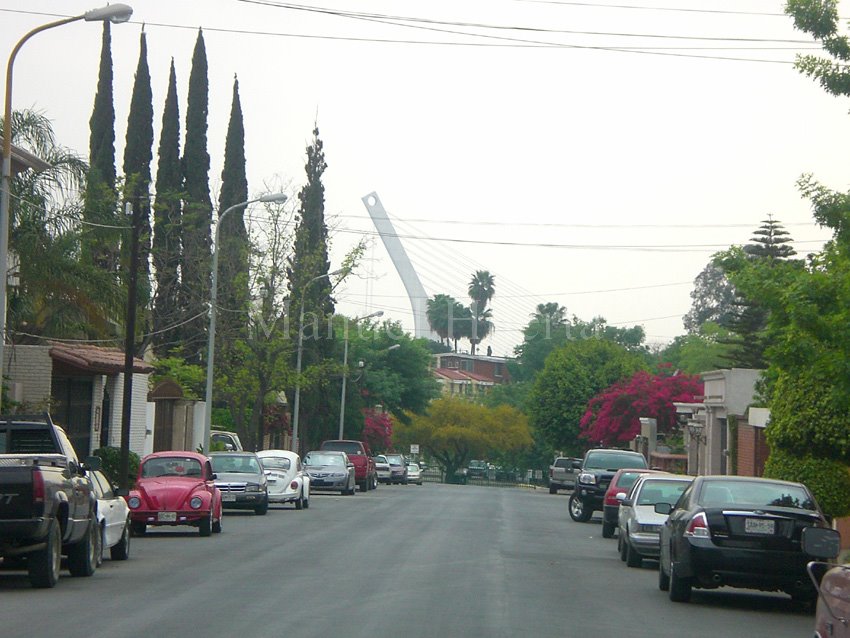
111	457
828	480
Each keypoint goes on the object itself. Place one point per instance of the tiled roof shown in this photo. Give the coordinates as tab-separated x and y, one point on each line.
462	375
95	359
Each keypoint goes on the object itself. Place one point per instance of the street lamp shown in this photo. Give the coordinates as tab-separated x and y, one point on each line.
377	313
114	13
297	403
273	197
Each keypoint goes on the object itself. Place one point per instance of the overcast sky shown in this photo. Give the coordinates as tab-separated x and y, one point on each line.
587	153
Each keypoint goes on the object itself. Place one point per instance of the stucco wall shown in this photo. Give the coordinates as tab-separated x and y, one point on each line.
29	369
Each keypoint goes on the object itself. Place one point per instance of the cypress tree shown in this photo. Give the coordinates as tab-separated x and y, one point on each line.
233	252
166	247
310	260
197	210
101	245
138	154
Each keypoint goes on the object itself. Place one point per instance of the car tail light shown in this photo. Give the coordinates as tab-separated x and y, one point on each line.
698	527
551	472
293	485
37	487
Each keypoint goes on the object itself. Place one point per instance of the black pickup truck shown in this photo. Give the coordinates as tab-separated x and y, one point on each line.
595	472
47	507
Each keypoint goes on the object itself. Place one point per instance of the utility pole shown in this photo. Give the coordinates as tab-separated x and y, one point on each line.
129	349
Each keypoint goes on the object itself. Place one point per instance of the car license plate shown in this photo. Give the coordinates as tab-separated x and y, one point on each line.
166	517
228	498
759	526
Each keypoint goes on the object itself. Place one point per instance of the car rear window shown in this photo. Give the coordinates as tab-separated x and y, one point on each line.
276	462
349	447
654	491
754	494
613	460
627	479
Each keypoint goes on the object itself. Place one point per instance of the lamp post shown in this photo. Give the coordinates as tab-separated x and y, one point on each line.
114	13
378	313
297	403
274	197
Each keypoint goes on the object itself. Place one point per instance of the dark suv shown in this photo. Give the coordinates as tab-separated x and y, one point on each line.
595	472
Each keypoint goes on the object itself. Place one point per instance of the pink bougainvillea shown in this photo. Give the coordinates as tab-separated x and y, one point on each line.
613	416
377	429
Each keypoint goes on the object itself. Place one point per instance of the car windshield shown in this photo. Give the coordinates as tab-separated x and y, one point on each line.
171	466
235	464
613	460
276	462
395	459
381	459
654	491
413	467
349	447
754	494
323	459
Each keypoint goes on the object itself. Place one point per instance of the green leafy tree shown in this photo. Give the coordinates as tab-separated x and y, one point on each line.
698	352
453	431
234	252
101	240
819	18
167	243
138	154
197	210
438	311
572	376
62	296
712	299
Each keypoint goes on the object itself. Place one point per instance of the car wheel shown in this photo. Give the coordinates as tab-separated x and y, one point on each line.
306	503
621	547
205	526
121	550
633	559
608	530
578	511
364	486
43	565
374	482
82	556
262	509
138	528
299	502
216	526
100	545
553	489
663	578
680	588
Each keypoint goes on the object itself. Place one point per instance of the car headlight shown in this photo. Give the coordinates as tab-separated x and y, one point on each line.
133	502
196	502
252	487
338	475
588	478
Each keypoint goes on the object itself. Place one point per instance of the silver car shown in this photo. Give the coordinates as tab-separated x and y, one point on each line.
414	474
330	470
382	465
242	481
639	524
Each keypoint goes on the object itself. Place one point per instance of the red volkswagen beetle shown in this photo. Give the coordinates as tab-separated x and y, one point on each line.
175	488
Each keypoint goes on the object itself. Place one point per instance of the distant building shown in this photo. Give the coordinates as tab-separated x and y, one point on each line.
469	375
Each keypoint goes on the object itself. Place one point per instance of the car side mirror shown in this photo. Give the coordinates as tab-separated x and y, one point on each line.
93	463
621	496
821	542
576	465
663	508
213	476
350	465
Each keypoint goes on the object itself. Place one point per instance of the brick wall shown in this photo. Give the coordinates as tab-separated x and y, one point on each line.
752	450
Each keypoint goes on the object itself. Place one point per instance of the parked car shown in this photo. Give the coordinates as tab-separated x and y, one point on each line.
47	506
287	480
113	517
358	453
331	470
414	474
639	524
175	488
622	481
562	474
833	585
242	480
477	469
230	440
382	467
740	532
398	468
595	473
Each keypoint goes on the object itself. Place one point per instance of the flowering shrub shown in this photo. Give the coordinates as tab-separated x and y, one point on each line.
377	430
613	416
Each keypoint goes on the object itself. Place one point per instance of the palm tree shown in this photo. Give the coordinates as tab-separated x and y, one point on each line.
547	316
481	290
56	295
439	308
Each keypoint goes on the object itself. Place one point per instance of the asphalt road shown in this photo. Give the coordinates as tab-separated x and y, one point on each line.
400	562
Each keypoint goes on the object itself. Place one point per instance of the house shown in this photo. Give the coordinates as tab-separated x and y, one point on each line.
82	386
462	374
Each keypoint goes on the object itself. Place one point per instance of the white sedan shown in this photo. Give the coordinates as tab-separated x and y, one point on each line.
288	482
113	517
